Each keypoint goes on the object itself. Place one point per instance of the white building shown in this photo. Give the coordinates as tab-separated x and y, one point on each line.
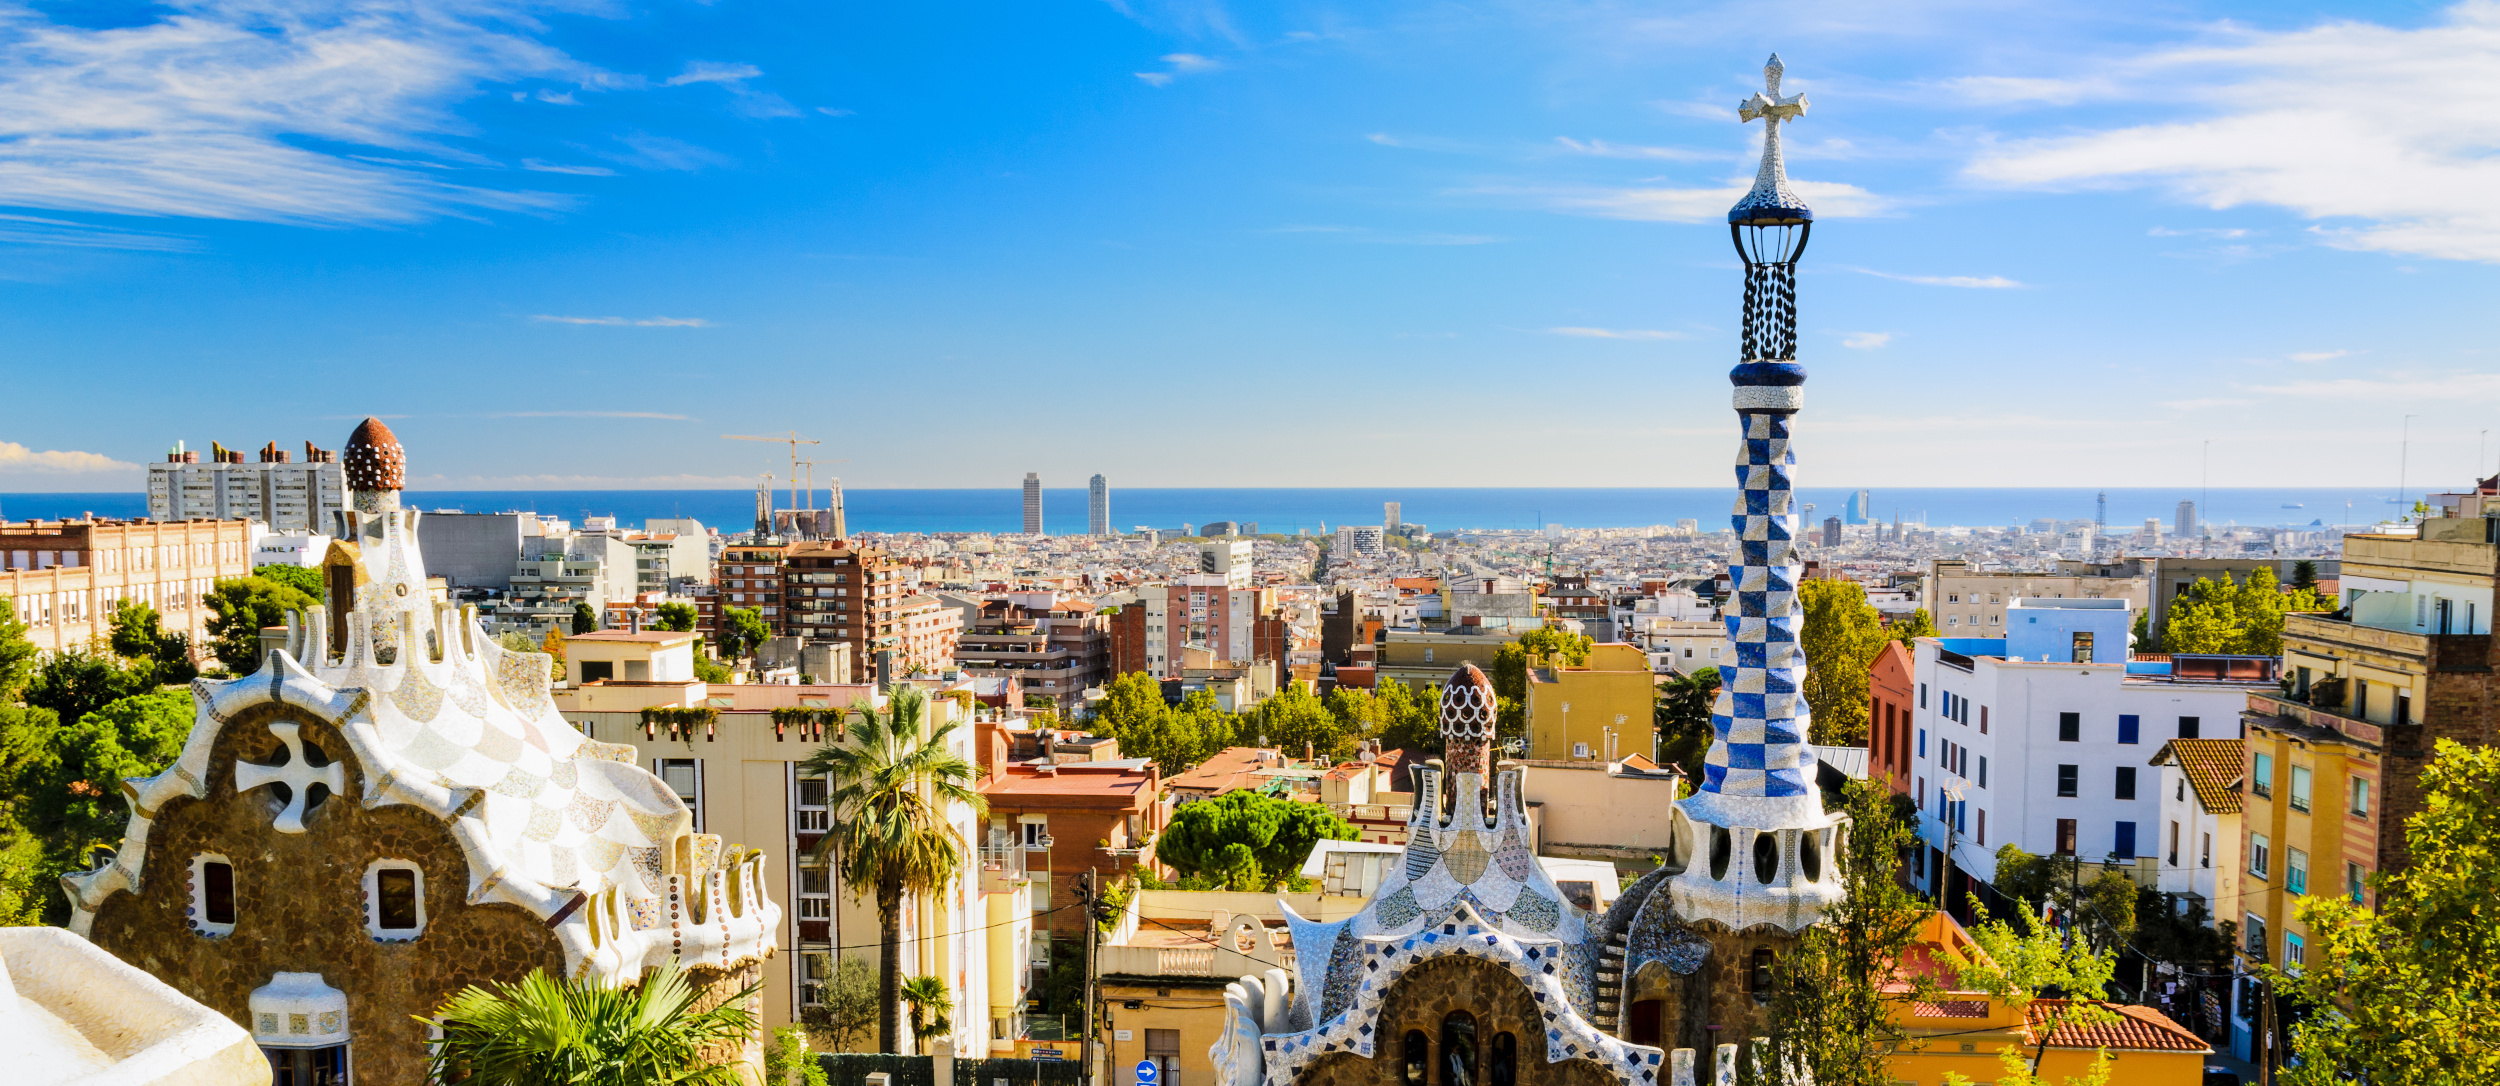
2043	738
1358	541
289	549
2199	837
273	490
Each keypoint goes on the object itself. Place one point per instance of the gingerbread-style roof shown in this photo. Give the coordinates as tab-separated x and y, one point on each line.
374	459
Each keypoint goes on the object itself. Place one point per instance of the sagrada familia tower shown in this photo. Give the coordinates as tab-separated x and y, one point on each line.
1469	965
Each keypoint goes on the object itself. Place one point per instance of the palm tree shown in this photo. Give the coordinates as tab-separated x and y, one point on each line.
930	1005
541	1031
892	785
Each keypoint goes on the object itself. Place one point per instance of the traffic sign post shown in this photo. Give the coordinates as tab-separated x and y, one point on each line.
1146	1072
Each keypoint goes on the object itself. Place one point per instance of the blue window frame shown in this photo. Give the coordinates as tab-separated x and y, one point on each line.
1922	742
2128	727
2124	844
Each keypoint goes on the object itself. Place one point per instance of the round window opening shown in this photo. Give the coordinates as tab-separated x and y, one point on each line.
1766	857
1720	846
1810	856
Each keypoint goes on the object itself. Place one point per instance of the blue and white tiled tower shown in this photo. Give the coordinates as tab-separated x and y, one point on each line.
1757	844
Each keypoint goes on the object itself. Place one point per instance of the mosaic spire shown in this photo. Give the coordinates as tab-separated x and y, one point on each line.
1767	832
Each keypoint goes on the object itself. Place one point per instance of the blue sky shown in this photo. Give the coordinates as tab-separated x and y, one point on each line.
1287	244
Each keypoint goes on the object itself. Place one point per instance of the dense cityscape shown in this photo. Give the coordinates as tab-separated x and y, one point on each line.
312	776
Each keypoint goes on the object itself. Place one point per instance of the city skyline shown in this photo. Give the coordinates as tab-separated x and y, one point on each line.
2075	250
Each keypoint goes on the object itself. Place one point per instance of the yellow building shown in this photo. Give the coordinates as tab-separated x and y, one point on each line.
1599	712
1421	658
1963	1030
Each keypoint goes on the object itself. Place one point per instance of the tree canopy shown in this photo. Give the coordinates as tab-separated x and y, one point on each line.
1842	634
242	606
2402	994
1916	625
63	787
1295	718
742	631
139	636
1683	719
676	617
1832	1014
305	579
2229	617
1244	840
1176	737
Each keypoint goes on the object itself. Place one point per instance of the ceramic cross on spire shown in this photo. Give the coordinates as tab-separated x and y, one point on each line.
297	773
1771	200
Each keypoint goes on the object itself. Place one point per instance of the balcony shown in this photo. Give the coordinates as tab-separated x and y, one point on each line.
2311	631
2287	714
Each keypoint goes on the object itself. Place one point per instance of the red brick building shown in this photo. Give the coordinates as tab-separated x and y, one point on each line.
749	576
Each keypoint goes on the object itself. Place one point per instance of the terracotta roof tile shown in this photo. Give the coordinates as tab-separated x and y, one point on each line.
2213	767
1951	1008
2138	1029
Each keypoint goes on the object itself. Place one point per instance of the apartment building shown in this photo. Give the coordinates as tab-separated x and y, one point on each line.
2041	738
867	598
1891	688
737	770
62	577
1966	602
557	574
1231	622
275	490
1069	818
2201	835
1421	658
1055	648
749	576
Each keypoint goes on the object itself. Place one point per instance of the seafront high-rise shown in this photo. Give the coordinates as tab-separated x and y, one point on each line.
1032	503
1097	506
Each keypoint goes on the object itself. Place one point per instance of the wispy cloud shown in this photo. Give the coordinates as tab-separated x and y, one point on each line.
588	415
1603	149
1866	341
737	79
2208	402
1831	200
2396	132
2200	232
1616	333
231	109
35	230
2441	388
18	459
626	322
1181	64
2316	356
829	111
1971	282
557	167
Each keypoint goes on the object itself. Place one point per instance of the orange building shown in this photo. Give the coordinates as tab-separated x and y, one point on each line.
1964	1031
1889	689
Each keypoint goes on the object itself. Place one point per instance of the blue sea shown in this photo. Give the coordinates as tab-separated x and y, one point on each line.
1290	510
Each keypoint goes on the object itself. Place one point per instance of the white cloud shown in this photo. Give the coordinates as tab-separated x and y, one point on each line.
2199	232
1830	200
1617	333
2316	356
1972	282
1866	341
35	230
735	78
707	72
226	108
1603	149
2388	138
1182	64
553	167
829	111
2429	388
623	322
18	459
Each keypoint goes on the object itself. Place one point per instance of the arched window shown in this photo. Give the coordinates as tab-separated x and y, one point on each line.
1418	1055
1458	1049
1503	1068
1766	857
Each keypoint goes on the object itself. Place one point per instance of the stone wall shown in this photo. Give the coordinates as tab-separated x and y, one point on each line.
2463	698
1422	998
1712	1005
299	904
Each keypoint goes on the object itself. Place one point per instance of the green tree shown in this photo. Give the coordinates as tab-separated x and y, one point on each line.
1243	840
1409	720
894	779
2026	959
242	606
1541	647
2104	908
676	617
140	637
1295	718
847	1011
17	653
2402	995
1553	644
1683	719
2140	635
2229	617
542	1031
1129	701
585	620
930	1005
305	579
2305	576
742	632
710	670
1842	634
1833	1012
787	1062
1905	630
63	782
73	683
1357	710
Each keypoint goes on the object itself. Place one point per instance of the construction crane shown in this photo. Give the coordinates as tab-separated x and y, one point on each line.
794	441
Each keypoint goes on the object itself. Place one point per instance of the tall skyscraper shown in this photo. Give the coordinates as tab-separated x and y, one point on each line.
1032	503
2183	524
1861	508
1758	777
1389	516
1097	506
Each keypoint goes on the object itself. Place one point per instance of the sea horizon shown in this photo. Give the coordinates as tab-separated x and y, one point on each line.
1291	510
